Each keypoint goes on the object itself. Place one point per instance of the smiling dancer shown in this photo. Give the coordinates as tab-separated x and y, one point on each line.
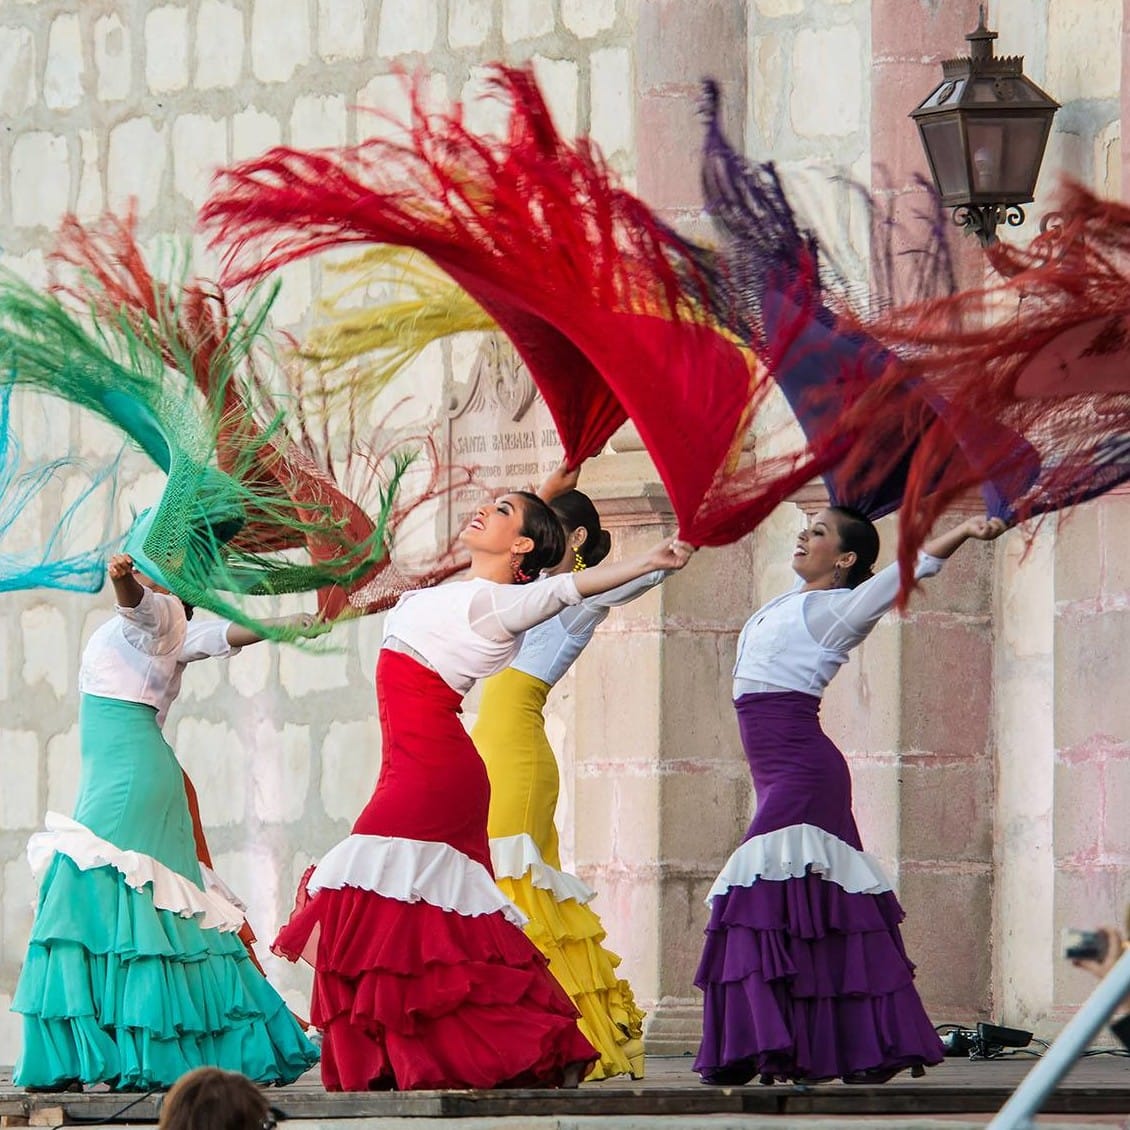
135	972
422	976
510	735
803	970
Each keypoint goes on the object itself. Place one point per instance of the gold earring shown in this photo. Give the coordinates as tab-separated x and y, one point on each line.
578	560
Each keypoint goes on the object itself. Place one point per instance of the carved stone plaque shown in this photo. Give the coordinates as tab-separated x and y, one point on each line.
498	427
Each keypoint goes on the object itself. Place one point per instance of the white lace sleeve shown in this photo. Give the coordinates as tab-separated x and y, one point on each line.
149	624
577	620
844	618
500	612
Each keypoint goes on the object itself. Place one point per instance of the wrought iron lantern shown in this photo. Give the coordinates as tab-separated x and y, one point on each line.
984	129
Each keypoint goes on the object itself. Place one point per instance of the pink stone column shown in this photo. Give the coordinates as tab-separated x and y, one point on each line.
1125	97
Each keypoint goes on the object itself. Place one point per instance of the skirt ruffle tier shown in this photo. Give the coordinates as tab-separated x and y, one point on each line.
116	990
569	935
412	996
803	979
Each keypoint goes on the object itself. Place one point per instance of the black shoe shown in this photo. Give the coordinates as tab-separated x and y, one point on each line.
736	1076
878	1075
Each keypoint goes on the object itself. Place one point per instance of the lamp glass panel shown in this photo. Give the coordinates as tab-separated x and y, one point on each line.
942	140
1005	154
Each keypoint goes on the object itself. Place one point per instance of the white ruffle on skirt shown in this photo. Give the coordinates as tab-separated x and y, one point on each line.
413	871
513	856
790	853
171	891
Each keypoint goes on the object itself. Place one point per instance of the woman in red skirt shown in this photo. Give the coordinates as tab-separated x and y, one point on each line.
423	976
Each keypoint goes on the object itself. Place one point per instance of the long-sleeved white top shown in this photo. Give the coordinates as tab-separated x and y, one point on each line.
551	648
140	655
468	630
799	640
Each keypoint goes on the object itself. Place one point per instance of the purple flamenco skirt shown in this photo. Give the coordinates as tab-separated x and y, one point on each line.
803	971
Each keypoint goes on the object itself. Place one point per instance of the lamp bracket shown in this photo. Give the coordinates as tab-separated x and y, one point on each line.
982	220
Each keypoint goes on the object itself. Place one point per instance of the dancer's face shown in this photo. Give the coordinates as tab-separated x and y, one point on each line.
496	527
819	551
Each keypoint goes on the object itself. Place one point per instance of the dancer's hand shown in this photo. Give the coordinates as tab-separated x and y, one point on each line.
671	553
559	481
984	528
309	625
1115	946
120	567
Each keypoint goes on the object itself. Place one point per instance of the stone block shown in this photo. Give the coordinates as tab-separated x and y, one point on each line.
1079	554
17	70
219	44
1108	161
64	764
1085	898
296	296
250	672
1114	511
406	27
595	818
11	1036
946	811
20	896
202	681
629	910
166	49
586	18
559	81
611	114
89	203
302	672
200	148
351	760
635	814
251	874
680	41
112	58
681	924
827	82
665	178
40	179
5	661
216	758
862	706
252	132
620	721
469	23
341	29
768	89
947	687
897	86
280	762
947	933
319	120
483	112
136	164
775	9
1115	801
19	770
717	590
696	669
280	39
42	627
526	19
876	802
1084	43
1077	802
693	801
1088	647
63	74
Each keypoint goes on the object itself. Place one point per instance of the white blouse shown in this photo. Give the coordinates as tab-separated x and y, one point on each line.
799	640
468	630
140	655
551	648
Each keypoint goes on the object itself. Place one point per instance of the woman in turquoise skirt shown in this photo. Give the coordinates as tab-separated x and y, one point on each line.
135	971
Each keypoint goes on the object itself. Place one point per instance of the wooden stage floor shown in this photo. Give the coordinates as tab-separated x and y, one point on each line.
1098	1085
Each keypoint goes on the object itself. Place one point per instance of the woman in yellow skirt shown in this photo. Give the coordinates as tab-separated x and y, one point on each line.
510	736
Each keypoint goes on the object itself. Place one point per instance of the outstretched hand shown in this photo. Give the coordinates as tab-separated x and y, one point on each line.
559	481
120	566
309	625
671	553
985	528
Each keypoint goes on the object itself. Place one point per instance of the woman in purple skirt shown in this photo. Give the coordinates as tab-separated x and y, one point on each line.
803	970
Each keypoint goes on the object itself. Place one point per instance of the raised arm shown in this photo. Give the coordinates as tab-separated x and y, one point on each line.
976	529
128	590
307	625
669	555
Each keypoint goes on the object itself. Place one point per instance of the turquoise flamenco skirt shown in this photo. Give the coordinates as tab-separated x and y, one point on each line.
114	988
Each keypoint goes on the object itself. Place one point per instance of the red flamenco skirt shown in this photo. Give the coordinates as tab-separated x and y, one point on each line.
423	978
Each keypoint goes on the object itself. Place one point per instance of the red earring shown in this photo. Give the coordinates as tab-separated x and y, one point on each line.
519	574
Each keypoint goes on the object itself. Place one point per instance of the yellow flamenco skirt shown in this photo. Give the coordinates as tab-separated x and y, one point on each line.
510	737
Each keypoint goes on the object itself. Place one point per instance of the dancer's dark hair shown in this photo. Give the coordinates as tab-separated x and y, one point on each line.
576	511
542	525
219	1100
857	535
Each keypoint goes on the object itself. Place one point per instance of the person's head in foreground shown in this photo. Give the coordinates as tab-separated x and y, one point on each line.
211	1099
